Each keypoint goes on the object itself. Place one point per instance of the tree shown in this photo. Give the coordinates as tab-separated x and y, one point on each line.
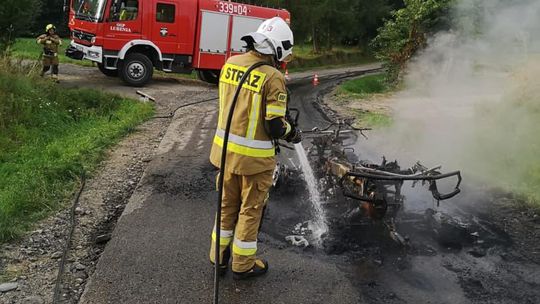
51	12
406	32
325	23
370	16
16	18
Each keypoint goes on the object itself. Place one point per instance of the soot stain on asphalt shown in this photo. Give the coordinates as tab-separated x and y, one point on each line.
188	180
480	252
466	253
472	254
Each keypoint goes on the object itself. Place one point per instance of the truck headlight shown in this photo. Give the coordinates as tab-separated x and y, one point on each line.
93	40
93	54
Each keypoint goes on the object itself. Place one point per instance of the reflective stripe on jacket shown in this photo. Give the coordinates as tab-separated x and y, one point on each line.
250	150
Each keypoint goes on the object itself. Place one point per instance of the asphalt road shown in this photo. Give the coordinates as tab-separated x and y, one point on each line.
159	249
158	252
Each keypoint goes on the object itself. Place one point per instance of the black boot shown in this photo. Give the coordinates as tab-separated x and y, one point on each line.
260	268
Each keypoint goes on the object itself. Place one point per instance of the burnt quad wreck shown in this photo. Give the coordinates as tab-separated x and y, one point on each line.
367	190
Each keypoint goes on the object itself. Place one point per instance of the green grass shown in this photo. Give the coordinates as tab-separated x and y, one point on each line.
27	48
192	75
362	88
49	136
366	85
372	119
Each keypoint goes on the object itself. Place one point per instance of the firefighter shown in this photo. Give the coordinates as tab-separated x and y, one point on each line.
50	42
260	119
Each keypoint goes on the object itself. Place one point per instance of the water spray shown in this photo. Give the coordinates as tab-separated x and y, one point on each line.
376	187
319	225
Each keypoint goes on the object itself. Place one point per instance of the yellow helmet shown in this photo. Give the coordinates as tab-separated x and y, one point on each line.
49	27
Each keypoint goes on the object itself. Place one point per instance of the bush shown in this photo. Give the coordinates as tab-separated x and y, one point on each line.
405	33
16	18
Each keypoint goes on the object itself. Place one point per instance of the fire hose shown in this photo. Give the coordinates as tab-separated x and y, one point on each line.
222	174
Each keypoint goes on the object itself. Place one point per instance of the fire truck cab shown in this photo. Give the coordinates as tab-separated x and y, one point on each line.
129	38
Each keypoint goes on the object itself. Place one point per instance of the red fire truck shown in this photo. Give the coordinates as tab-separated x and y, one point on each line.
129	38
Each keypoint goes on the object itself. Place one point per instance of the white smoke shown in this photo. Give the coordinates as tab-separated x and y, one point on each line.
472	98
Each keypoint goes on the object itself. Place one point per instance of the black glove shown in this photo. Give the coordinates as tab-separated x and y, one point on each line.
295	136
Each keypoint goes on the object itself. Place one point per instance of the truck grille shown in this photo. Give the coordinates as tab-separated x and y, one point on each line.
79	35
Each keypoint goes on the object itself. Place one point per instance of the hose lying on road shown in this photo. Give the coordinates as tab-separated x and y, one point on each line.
222	174
59	276
171	115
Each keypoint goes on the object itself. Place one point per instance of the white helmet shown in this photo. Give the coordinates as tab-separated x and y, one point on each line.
273	37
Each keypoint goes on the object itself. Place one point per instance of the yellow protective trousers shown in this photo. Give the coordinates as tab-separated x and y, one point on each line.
244	198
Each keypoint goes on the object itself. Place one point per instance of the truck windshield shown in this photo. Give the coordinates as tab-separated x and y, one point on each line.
89	10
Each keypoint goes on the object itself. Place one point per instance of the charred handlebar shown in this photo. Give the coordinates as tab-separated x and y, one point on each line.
432	179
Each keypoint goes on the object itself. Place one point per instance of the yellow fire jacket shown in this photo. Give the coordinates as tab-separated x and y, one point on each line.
51	48
262	97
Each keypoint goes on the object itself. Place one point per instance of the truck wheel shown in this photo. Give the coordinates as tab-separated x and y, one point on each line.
210	76
136	70
200	75
110	73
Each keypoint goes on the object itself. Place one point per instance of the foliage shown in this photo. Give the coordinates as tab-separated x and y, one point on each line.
52	11
371	84
16	17
48	136
325	24
305	59
406	32
369	17
27	48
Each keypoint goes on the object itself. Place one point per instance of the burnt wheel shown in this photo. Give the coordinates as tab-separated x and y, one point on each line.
136	70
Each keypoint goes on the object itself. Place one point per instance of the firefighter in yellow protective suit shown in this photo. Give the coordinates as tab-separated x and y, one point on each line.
258	121
50	42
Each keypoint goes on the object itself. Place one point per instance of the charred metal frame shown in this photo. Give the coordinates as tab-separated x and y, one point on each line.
376	186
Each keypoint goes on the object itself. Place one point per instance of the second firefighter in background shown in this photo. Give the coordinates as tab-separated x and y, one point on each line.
260	118
50	42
